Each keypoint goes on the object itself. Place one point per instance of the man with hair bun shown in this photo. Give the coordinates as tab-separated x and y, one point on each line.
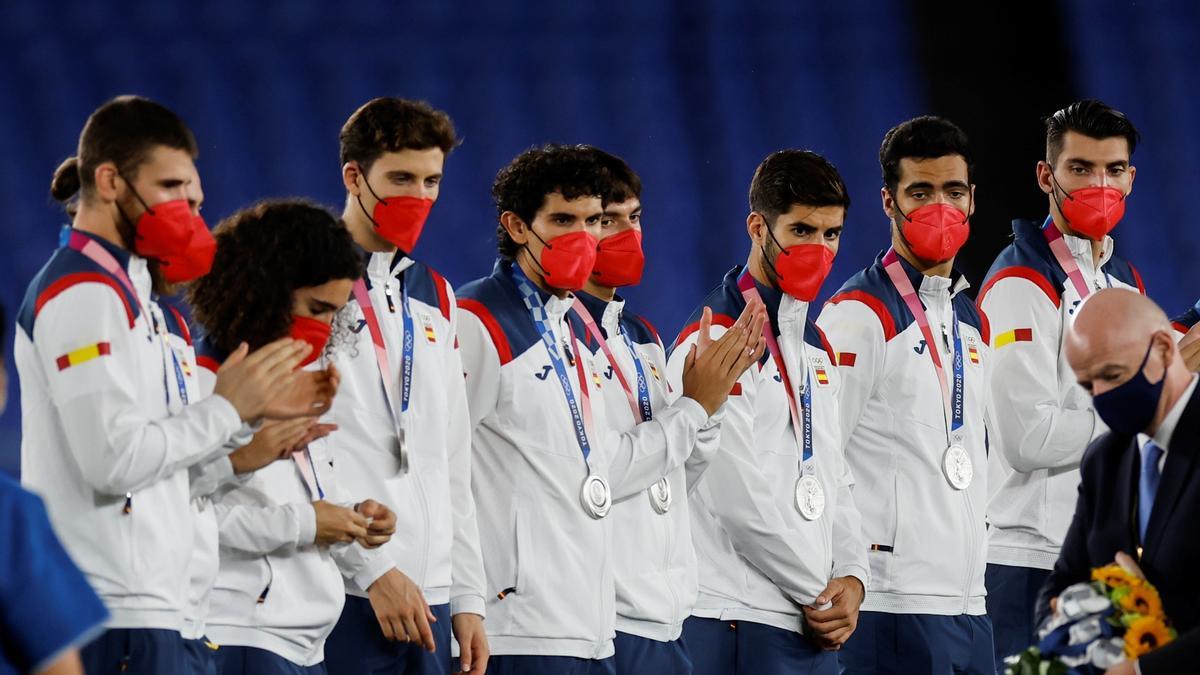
106	380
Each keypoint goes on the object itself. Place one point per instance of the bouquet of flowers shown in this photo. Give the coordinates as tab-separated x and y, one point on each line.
1116	616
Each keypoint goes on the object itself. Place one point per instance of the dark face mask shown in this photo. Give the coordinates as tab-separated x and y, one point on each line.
1130	407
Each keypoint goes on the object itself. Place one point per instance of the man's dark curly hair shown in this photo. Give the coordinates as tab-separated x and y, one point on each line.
265	253
521	187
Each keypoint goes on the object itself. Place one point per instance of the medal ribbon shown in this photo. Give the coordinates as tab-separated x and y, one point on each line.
92	250
952	402
581	419
801	423
641	404
1065	260
363	296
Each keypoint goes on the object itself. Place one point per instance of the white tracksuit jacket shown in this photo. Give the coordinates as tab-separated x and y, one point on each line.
654	563
927	540
1044	418
277	590
760	560
437	542
107	438
548	564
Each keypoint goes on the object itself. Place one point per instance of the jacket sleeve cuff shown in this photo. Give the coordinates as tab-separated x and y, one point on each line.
857	571
306	523
374	566
225	411
467	604
693	411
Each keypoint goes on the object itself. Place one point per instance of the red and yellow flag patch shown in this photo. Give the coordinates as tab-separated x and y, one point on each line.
83	355
654	372
1015	335
430	336
973	354
822	376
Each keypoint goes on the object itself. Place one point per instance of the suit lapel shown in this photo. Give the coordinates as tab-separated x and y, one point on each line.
1177	471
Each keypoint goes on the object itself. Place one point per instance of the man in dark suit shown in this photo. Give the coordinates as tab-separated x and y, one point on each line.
1140	489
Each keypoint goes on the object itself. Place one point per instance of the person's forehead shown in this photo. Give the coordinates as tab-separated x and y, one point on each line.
936	170
1104	150
427	160
817	216
623	208
556	202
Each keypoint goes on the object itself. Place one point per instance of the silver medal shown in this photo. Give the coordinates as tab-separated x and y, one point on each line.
810	497
595	496
402	451
956	464
660	496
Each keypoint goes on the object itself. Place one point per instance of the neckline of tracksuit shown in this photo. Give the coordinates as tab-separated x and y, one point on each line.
606	313
1081	250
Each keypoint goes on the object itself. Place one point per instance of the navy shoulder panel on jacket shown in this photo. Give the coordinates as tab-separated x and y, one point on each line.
1184	322
726	302
498	305
426	285
874	288
66	268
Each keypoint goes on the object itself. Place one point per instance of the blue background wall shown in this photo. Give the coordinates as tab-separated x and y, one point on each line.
692	93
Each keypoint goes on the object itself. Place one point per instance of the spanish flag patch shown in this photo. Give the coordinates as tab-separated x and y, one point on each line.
1016	335
654	372
83	355
596	378
973	354
430	336
822	376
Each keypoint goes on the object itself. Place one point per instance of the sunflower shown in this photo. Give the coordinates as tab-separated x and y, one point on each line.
1115	576
1142	600
1145	635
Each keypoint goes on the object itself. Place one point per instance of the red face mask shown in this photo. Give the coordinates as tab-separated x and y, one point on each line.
934	232
312	331
399	220
619	259
196	260
163	230
567	259
1093	212
801	269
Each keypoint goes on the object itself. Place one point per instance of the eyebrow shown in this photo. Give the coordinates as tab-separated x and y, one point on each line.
322	305
926	185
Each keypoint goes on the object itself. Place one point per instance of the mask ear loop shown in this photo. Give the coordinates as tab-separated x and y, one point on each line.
767	258
1054	190
372	191
125	216
532	257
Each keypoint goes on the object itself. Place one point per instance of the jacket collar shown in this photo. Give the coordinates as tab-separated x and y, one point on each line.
957	282
606	313
133	264
556	307
1081	247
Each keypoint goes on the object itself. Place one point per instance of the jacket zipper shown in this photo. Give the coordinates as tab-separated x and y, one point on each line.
262	597
667	519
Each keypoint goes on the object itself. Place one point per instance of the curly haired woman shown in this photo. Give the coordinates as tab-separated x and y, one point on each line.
282	268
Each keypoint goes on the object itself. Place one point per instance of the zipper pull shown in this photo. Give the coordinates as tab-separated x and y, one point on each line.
263	596
387	292
128	503
502	594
